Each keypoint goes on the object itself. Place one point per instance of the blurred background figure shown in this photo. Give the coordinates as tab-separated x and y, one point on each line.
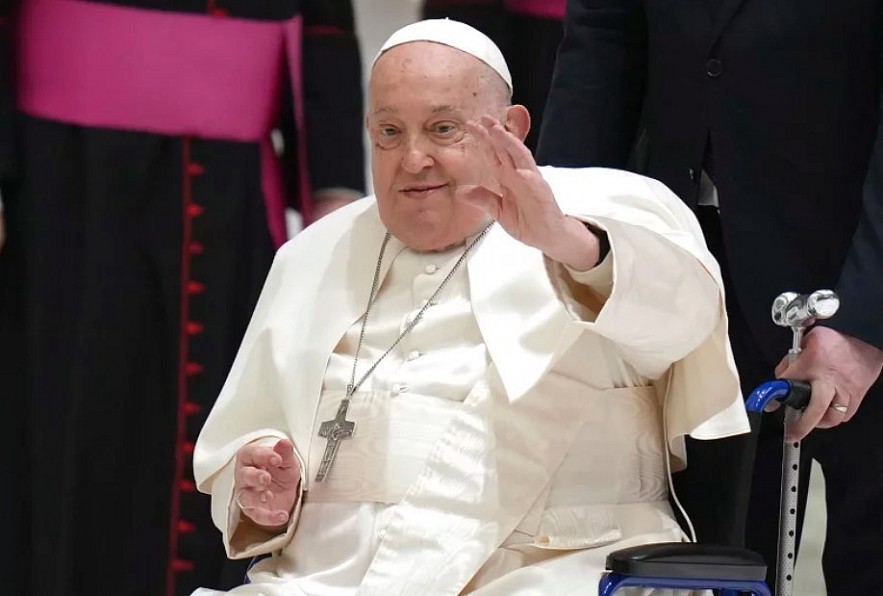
144	201
527	31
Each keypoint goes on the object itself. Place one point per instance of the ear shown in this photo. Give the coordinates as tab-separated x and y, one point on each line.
517	121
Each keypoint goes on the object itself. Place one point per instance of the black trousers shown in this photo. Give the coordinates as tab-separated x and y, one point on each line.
850	455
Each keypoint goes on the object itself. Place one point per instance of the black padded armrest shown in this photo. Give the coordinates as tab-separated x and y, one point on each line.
687	560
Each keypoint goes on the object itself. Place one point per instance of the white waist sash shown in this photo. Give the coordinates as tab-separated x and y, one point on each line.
610	485
393	438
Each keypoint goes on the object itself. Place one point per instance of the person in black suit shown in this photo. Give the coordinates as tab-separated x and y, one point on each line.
764	116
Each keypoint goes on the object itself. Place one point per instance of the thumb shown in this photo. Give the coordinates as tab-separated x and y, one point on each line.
782	366
479	196
285	449
780	371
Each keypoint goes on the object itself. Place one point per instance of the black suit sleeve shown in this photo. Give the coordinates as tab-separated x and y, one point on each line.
594	105
861	282
333	95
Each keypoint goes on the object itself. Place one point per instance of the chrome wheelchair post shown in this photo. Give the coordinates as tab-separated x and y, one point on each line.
797	311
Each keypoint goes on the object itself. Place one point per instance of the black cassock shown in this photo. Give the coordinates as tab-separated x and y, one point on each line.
133	264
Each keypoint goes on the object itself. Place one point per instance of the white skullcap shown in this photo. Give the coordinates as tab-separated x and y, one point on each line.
456	35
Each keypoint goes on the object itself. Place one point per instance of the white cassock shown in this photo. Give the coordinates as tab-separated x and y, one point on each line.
517	435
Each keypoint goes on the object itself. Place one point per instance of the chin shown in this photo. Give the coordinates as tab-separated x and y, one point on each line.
425	227
424	240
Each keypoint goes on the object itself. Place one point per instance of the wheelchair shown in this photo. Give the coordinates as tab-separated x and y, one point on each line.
732	570
727	569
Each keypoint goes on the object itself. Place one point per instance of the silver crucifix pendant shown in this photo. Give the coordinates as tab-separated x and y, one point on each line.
334	431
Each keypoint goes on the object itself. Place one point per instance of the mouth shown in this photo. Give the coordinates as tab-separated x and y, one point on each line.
421	190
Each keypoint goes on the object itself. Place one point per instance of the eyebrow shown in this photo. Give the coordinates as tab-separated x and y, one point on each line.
435	109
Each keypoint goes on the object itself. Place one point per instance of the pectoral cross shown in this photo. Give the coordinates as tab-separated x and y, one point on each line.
334	431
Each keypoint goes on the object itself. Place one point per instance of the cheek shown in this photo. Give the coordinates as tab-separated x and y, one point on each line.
383	167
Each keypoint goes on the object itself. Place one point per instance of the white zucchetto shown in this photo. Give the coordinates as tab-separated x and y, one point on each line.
456	35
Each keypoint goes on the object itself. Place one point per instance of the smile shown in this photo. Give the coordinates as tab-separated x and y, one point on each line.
422	191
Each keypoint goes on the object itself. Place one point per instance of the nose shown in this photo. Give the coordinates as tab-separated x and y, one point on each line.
418	156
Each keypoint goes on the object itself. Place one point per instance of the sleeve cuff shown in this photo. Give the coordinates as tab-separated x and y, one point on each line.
583	293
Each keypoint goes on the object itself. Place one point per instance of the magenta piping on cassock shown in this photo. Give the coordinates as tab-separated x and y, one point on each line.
175	74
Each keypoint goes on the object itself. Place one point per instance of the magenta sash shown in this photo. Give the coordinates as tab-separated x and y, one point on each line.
547	9
175	74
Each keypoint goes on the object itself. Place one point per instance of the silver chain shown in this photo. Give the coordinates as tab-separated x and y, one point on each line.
354	386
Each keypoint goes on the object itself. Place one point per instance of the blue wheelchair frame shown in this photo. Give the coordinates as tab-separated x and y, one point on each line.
730	570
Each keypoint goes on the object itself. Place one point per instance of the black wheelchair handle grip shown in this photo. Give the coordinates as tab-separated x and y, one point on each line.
798	396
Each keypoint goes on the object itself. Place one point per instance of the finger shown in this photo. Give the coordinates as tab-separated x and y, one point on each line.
491	173
285	449
497	133
482	135
251	499
251	478
772	406
276	518
820	399
257	507
783	365
480	197
515	149
258	456
781	371
852	406
834	416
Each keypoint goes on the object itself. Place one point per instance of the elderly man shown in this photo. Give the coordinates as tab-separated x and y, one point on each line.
477	385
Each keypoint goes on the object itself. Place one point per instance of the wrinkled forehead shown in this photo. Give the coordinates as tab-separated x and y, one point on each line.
413	66
427	59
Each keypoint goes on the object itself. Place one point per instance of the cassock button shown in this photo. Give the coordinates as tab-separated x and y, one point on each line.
193	368
179	565
186	527
431	268
195	169
194	210
194	287
190	408
187	447
186	486
194	328
195	248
